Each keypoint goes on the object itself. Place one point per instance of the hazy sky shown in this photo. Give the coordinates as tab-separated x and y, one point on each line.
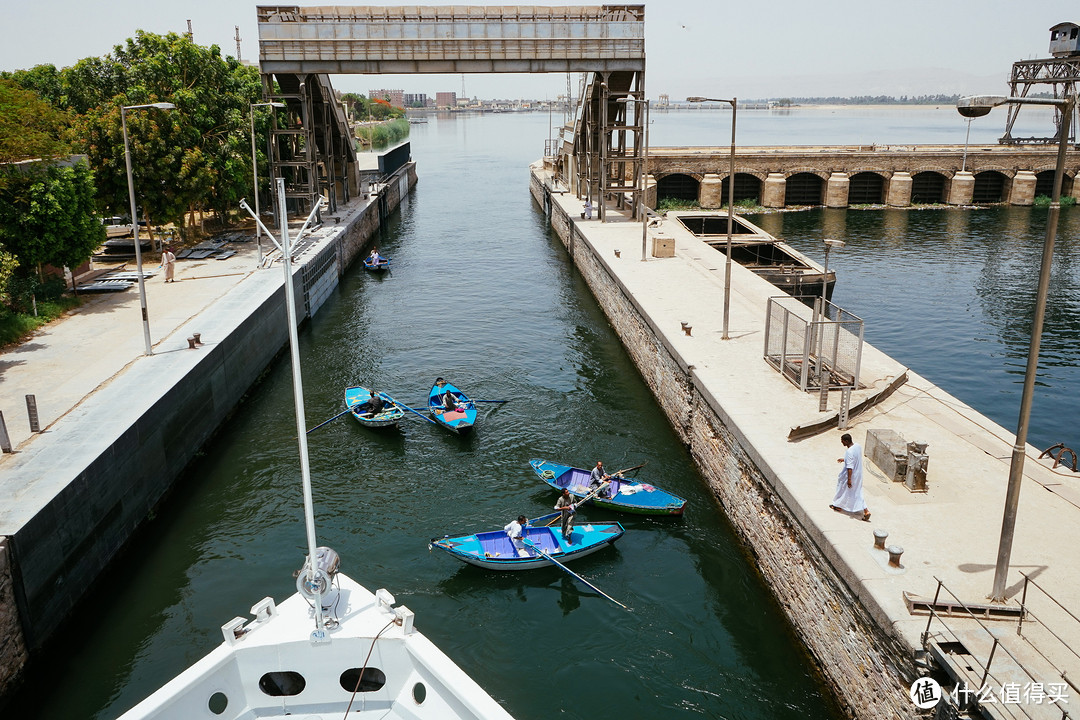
694	47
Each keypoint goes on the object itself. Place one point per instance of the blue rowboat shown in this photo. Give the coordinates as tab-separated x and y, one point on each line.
495	551
378	263
359	401
627	495
458	414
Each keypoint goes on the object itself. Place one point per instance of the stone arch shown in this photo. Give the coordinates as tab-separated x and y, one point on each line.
866	188
1044	183
678	186
748	186
991	186
807	170
929	186
804	188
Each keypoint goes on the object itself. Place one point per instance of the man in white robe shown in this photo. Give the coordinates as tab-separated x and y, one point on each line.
849	489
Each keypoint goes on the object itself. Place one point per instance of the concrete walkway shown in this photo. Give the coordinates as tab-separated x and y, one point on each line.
949	533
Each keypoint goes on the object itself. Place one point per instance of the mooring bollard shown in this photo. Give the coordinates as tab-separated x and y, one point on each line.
895	551
31	412
618	253
191	343
687	327
879	539
5	441
198	338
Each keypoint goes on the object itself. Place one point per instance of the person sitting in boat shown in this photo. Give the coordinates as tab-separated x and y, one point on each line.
449	402
515	530
375	404
597	478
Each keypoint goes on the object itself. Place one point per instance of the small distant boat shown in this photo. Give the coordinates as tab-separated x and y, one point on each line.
495	551
359	401
377	263
459	414
627	495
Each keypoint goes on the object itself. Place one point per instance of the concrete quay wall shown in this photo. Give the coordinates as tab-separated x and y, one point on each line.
75	495
857	653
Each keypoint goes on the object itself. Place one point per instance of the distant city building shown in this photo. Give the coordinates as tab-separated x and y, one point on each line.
396	97
415	100
446	99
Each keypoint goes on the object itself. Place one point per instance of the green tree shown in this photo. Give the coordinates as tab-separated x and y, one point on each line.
47	214
30	128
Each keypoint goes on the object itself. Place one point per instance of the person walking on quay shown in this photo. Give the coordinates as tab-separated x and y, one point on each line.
168	261
849	490
565	505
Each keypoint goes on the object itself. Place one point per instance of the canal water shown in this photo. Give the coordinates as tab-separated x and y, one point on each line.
482	294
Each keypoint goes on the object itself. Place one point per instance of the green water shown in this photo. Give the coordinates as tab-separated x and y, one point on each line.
482	294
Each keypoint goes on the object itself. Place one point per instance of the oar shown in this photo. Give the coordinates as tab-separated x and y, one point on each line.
582	500
490	401
347	410
406	407
626	470
568	570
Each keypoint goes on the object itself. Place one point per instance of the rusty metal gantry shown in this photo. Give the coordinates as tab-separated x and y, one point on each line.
1060	73
312	145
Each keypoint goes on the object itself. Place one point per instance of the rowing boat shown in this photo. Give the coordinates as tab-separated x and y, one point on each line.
359	401
377	263
458	414
495	551
626	495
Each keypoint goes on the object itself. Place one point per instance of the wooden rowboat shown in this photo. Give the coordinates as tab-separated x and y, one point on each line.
495	551
627	495
359	401
458	415
377	264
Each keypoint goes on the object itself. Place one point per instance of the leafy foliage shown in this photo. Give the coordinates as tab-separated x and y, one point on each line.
29	127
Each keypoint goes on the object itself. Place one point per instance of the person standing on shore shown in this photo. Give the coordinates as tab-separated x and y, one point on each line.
849	489
168	261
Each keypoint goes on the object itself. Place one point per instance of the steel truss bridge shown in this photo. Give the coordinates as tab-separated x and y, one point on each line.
601	155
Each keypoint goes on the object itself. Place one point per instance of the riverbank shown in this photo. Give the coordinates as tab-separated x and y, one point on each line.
857	613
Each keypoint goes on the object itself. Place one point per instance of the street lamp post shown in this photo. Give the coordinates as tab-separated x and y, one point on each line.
734	102
644	207
823	386
135	216
255	172
977	106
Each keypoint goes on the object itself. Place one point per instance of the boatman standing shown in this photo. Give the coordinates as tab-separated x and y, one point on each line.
515	530
565	505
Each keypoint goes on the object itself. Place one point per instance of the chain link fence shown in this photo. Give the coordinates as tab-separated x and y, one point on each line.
810	347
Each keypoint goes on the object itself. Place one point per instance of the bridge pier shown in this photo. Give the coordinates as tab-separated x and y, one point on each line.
962	188
1022	191
710	192
898	193
836	190
773	190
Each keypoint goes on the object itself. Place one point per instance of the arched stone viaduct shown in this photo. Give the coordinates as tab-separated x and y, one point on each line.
841	176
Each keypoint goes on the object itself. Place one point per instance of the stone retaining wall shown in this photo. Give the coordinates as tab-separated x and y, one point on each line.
48	564
859	658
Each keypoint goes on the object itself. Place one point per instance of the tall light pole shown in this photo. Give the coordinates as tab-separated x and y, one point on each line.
135	216
977	106
734	102
255	172
644	208
823	386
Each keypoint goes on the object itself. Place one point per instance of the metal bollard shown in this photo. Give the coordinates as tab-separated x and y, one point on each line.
895	551
879	539
687	327
31	412
191	343
618	253
198	338
5	441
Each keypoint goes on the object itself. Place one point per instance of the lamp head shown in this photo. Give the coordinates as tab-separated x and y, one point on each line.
695	98
834	243
163	106
975	106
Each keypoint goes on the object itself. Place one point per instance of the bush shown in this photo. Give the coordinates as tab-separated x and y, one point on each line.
1044	201
15	326
666	204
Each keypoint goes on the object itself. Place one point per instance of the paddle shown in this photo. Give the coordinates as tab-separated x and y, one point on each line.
571	572
582	500
406	407
346	411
